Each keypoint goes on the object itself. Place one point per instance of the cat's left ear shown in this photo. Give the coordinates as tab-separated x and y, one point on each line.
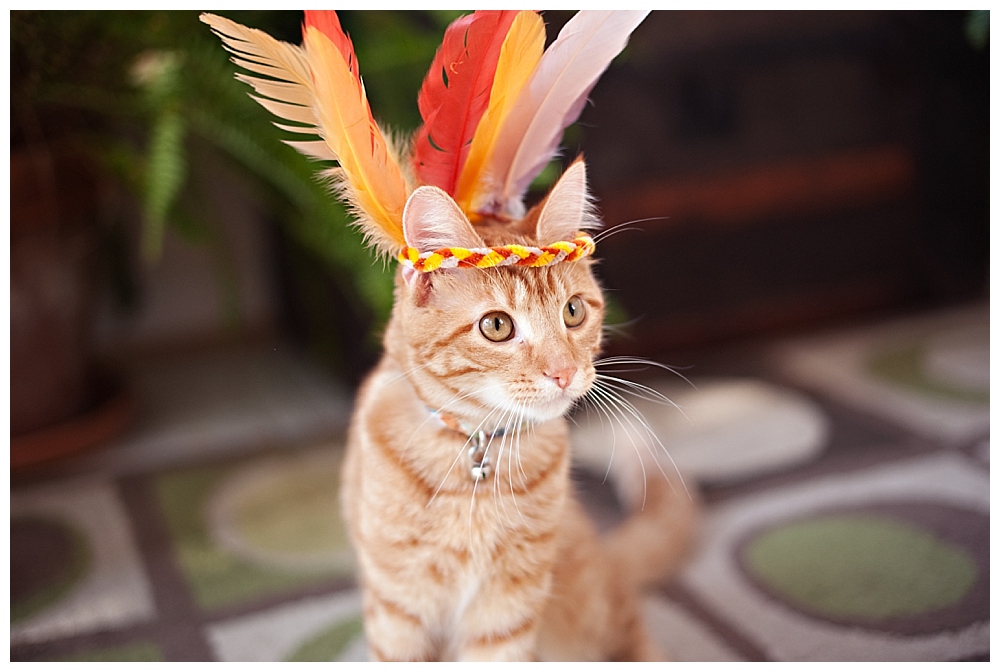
567	208
432	221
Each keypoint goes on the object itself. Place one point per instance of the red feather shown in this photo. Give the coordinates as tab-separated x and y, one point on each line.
326	22
455	95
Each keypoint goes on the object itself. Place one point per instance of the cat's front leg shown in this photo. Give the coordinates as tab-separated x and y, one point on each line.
503	643
502	621
393	632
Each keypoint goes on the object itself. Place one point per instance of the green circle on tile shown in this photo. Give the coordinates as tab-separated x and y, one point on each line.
48	558
904	365
864	567
294	513
138	652
328	644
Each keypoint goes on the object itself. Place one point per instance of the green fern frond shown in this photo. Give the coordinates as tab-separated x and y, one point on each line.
158	75
166	169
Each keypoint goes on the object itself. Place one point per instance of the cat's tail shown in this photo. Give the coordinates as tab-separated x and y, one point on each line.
656	537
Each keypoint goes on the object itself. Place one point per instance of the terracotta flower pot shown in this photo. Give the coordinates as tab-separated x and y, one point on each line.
53	243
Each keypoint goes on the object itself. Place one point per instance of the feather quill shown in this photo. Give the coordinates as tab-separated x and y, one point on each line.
455	95
519	55
319	87
551	101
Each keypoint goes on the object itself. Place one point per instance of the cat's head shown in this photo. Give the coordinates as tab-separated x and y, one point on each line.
505	342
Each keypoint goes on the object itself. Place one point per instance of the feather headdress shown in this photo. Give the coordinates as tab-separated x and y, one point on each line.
494	107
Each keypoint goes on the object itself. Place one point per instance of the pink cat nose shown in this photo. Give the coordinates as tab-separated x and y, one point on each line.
563	375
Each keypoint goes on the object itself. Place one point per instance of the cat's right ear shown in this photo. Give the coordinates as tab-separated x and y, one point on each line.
431	221
567	208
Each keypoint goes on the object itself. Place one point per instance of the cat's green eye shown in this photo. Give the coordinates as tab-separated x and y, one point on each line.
496	326
574	311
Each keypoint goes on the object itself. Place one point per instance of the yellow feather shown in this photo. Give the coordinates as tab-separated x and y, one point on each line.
520	53
313	86
376	184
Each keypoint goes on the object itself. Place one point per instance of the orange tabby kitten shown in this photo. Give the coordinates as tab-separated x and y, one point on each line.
488	556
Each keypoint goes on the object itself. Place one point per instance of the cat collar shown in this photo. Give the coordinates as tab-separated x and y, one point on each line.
502	255
479	441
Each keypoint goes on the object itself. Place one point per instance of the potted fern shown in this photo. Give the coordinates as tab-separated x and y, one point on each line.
132	103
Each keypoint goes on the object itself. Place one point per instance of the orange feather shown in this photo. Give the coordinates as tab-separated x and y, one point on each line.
519	55
318	87
375	183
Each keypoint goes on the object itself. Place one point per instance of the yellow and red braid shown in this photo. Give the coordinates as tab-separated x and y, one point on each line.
501	255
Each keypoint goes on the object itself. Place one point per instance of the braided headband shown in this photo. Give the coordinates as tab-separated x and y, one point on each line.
503	255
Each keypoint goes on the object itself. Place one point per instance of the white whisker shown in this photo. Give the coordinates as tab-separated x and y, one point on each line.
600	416
516	440
639	390
619	228
530	429
405	374
508	413
625	404
640	362
602	399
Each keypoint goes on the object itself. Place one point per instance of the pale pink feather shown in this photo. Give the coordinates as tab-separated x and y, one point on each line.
552	100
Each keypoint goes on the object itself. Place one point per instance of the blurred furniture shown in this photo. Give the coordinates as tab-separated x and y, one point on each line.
789	168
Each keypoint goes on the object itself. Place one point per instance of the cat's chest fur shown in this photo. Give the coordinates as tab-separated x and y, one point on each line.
442	539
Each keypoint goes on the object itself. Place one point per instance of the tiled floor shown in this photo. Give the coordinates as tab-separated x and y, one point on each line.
211	531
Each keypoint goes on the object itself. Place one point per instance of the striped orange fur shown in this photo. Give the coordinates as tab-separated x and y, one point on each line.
507	567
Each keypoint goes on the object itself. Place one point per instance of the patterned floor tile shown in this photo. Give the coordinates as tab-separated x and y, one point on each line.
803	629
717	430
681	636
74	567
878	566
258	527
928	373
329	628
139	652
221	403
318	629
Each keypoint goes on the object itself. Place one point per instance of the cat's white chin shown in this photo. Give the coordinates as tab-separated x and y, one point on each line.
539	407
550	410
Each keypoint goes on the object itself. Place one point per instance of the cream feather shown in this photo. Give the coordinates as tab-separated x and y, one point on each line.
551	101
315	87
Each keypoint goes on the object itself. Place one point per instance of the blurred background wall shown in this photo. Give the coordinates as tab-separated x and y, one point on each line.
783	170
809	166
